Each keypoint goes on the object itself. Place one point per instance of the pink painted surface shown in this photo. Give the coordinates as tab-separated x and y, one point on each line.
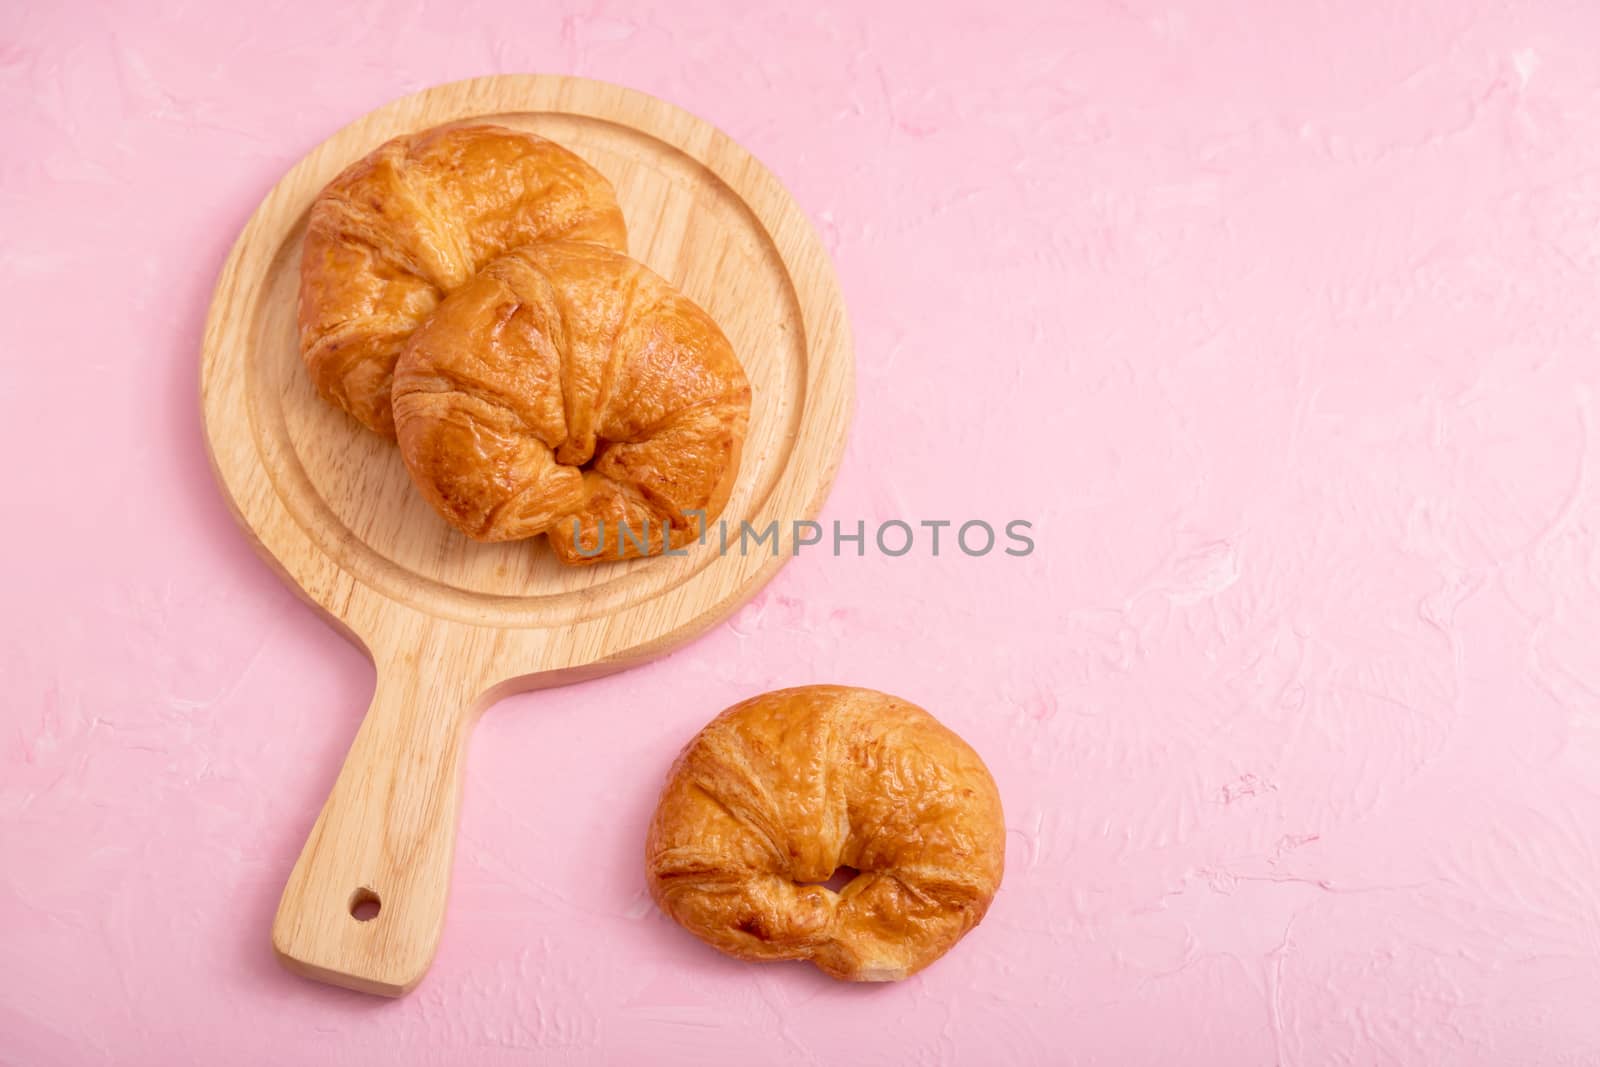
1280	322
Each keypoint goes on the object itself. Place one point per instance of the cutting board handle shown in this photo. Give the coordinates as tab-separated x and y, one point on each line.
364	907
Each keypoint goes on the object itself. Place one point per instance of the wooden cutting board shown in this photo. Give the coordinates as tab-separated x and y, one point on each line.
452	625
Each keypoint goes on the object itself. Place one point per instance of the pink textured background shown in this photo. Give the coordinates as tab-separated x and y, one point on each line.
1280	321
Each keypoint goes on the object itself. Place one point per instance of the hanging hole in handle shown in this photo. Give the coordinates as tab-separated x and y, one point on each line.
364	905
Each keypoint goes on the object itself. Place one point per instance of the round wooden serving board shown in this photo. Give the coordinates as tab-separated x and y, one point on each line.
452	625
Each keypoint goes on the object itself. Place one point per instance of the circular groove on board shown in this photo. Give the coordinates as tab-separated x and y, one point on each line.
350	492
324	496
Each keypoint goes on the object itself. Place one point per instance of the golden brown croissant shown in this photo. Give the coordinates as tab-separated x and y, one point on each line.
568	390
780	791
412	221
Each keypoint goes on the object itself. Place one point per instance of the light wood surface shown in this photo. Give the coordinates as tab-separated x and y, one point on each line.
451	625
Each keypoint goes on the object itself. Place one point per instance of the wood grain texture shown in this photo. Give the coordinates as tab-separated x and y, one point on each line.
451	625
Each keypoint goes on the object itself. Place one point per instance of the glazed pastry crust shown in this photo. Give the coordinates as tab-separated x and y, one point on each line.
779	791
568	390
399	229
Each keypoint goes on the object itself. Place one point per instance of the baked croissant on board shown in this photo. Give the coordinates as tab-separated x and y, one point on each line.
568	390
558	386
397	230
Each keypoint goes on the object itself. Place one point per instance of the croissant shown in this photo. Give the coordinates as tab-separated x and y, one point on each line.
780	791
397	230
567	390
